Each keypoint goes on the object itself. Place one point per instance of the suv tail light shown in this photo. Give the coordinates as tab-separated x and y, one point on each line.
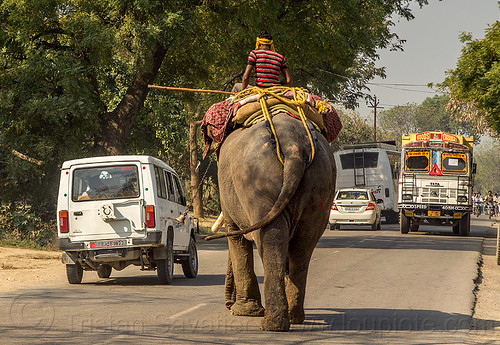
334	207
370	206
63	222
150	216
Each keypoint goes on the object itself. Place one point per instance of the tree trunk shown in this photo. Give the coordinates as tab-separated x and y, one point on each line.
196	187
116	125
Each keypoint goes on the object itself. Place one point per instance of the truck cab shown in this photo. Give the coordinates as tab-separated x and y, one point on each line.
436	181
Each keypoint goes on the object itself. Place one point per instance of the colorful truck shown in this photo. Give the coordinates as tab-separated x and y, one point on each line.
436	181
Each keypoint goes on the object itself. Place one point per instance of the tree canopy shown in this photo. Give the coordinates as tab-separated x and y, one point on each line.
74	74
476	79
431	115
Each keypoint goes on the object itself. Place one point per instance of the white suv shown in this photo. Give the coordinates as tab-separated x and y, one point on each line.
115	211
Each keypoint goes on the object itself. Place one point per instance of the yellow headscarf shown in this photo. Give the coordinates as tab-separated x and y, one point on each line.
264	41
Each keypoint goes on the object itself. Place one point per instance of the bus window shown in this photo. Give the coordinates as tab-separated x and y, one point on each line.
454	162
362	160
417	161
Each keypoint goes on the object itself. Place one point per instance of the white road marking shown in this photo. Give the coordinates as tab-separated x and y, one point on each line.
187	310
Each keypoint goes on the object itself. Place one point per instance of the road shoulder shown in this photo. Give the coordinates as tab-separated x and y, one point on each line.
486	316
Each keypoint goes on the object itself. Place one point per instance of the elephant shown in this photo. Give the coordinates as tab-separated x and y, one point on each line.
282	208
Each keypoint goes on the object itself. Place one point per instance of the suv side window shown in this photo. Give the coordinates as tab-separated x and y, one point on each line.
170	186
160	183
181	199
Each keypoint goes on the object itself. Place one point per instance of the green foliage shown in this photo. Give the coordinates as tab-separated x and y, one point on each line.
162	130
488	174
354	130
431	115
67	65
476	79
20	225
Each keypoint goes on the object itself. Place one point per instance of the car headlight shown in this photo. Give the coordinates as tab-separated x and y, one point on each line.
407	197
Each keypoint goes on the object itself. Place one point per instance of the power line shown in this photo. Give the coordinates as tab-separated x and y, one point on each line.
397	88
400	84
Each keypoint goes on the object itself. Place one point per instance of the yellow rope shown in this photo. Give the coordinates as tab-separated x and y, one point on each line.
298	102
259	115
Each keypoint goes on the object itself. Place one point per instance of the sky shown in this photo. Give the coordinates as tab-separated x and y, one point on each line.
432	47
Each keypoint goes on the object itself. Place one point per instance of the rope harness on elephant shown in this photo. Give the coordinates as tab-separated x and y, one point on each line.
298	103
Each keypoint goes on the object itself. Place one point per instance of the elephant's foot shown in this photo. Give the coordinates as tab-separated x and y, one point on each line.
296	316
229	303
247	308
275	324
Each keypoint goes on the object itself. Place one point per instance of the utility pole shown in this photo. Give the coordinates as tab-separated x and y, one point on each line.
374	104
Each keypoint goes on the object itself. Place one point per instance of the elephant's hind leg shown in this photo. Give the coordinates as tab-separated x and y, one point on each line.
299	255
274	256
246	301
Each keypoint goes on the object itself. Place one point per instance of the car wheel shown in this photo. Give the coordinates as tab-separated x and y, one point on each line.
165	267
190	266
379	224
104	271
74	272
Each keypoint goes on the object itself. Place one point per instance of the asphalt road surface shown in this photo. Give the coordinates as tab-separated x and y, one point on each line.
364	287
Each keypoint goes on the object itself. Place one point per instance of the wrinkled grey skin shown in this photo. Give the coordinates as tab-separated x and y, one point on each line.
289	204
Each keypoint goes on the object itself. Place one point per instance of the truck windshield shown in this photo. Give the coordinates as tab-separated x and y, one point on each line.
454	162
417	161
106	182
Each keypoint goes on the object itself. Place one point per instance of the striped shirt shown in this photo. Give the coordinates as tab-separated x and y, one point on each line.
268	65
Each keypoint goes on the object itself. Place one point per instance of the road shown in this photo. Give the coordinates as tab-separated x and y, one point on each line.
364	287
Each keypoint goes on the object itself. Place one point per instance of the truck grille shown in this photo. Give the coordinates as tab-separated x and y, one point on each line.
437	195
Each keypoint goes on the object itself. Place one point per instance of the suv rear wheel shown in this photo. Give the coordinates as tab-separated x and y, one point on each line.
190	266
165	267
74	272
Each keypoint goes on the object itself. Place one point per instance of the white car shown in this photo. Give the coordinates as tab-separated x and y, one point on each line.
352	206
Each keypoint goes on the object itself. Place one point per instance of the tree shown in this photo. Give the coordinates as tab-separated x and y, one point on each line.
74	74
431	115
396	121
354	130
487	176
476	80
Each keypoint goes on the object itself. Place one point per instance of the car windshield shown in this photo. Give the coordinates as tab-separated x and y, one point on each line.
352	194
107	182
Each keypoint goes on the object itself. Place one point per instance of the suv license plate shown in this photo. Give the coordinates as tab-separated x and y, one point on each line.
108	244
434	213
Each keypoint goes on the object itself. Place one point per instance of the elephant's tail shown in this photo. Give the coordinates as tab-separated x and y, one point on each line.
293	172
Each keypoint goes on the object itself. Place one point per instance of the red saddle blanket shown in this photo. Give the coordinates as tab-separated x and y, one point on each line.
217	122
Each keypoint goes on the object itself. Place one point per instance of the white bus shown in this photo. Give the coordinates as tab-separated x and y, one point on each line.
373	166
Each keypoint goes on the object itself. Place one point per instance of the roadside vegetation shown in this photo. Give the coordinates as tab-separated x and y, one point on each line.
74	79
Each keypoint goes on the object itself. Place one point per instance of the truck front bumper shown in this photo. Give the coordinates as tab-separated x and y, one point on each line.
433	211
